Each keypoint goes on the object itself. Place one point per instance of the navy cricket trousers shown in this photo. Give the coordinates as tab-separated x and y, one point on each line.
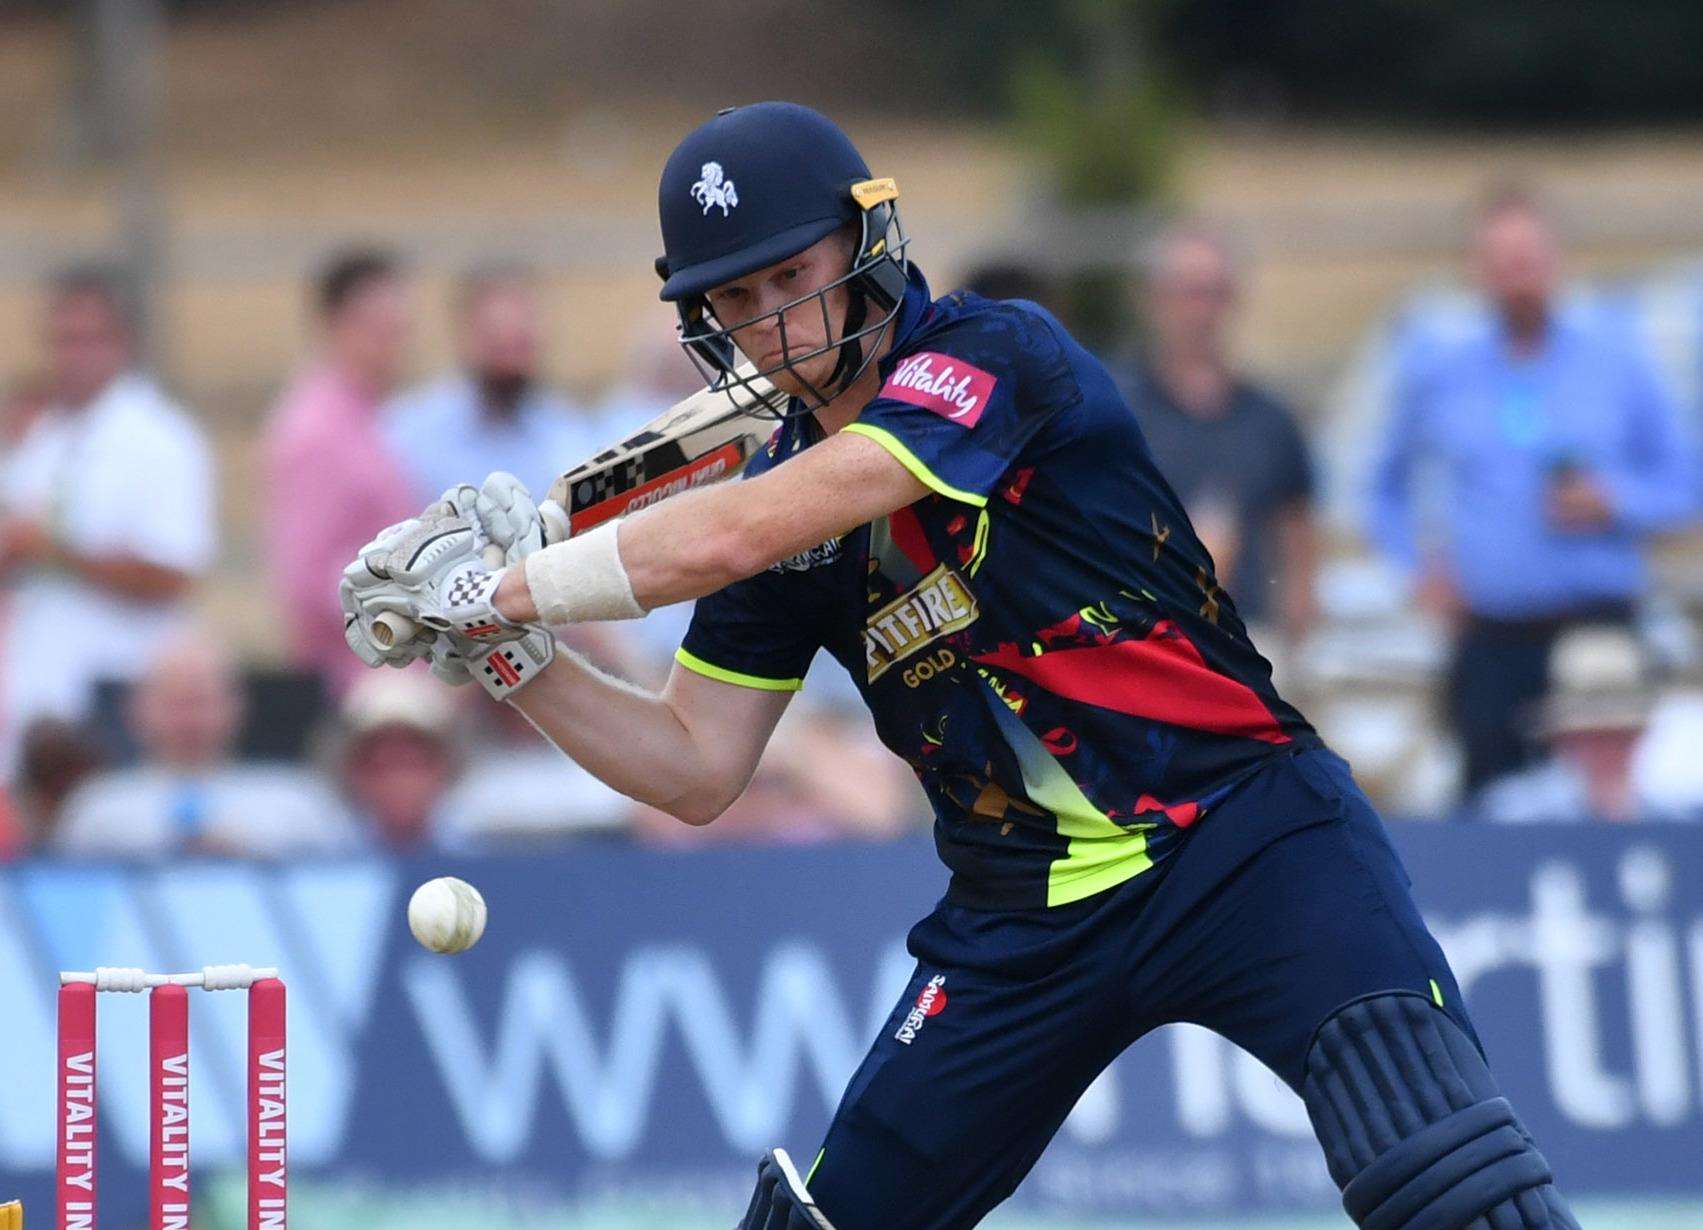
1286	902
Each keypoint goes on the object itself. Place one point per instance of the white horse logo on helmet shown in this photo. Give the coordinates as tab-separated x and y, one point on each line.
714	188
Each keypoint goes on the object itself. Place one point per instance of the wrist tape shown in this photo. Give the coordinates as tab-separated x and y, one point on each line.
582	579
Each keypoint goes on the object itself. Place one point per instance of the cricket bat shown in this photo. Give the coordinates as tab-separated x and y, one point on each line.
704	439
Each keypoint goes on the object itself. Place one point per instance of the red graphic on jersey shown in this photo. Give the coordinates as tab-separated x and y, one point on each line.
907	534
1162	677
955	390
1013	491
1180	814
1059	741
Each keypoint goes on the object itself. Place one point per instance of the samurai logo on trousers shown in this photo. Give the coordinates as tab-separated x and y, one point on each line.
930	1002
714	188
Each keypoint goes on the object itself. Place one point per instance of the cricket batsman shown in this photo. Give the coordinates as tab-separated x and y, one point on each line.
960	509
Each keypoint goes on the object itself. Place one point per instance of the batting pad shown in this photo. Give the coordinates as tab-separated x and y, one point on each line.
1414	1129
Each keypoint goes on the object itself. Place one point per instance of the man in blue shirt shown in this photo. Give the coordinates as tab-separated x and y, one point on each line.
492	412
1559	454
960	509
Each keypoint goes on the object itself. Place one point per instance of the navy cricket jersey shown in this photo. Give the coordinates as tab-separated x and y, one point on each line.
1041	637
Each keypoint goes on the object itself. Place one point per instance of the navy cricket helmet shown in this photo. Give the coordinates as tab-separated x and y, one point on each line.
756	185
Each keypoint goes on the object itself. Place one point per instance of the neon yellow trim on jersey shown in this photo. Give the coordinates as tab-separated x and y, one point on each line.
911	462
711	671
1436	991
1099	856
978	553
1098	853
816	1165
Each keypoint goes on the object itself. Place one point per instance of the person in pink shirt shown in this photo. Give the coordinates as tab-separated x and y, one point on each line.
330	477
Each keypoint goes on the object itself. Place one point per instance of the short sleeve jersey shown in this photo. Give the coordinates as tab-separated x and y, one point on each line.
1041	637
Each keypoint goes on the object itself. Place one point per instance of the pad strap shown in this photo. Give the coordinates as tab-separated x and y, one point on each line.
1477	1156
582	579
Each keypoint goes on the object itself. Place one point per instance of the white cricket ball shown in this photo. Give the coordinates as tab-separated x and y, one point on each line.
447	914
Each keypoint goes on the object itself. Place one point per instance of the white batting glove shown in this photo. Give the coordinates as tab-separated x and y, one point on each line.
434	574
501	669
357	583
505	510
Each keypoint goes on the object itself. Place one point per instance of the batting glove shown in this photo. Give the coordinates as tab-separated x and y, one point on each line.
505	510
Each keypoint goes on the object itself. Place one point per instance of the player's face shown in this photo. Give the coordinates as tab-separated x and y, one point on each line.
751	307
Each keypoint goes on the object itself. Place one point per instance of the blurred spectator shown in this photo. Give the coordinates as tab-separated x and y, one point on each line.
109	512
332	481
57	757
398	759
188	794
1594	719
1559	453
21	403
1231	450
14	840
655	374
492	413
518	788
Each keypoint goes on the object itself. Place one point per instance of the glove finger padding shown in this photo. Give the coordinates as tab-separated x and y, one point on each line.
557	526
457	501
363	571
426	553
509	515
360	640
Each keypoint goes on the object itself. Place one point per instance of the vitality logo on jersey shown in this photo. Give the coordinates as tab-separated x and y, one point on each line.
952	388
936	606
931	1002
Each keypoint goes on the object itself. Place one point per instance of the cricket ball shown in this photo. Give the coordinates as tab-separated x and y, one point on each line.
447	915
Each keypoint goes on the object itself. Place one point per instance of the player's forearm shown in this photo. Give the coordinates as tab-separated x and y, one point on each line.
701	541
690	546
694	546
631	740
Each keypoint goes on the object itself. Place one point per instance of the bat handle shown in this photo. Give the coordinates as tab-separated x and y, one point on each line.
391	629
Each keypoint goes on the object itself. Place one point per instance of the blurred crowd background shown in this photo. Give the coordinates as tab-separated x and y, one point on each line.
1407	297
